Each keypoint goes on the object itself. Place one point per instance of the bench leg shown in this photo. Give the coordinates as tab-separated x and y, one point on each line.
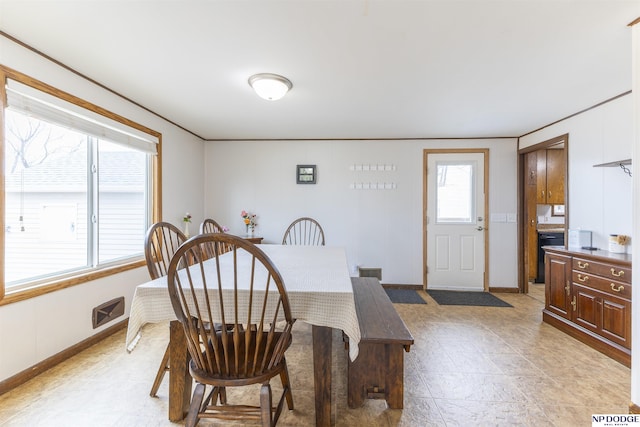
362	373
377	365
394	386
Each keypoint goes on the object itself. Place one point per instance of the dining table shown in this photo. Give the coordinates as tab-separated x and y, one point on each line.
320	293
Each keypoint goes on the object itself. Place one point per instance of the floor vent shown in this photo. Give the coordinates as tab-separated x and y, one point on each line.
370	272
106	312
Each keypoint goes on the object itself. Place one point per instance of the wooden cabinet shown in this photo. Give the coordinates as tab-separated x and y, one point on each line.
588	296
558	284
603	299
550	176
603	314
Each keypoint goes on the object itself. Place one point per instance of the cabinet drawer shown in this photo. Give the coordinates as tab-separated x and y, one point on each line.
608	271
612	287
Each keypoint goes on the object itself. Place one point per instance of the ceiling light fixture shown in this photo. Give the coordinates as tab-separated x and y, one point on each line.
270	86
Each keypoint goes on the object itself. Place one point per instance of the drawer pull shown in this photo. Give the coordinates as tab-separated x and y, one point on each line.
583	264
618	289
568	288
574	303
618	274
582	278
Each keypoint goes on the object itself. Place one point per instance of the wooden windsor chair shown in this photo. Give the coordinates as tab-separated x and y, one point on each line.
244	292
211	226
160	244
304	231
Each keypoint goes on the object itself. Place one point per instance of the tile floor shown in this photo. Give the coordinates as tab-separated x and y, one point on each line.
470	366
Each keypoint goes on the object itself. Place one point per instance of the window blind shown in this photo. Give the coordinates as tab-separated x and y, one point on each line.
36	103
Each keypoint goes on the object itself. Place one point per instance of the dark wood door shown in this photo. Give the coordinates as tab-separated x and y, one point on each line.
558	284
531	219
588	308
616	320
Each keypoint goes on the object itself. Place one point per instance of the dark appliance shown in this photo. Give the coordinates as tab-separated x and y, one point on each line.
546	238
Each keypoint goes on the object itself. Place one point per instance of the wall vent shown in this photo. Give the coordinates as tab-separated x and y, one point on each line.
106	312
370	272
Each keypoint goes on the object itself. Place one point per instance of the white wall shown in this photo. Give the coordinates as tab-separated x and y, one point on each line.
599	198
35	329
378	228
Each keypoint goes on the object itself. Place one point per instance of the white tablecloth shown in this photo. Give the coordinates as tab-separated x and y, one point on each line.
317	282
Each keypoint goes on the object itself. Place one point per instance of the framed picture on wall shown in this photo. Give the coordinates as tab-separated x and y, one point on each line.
306	174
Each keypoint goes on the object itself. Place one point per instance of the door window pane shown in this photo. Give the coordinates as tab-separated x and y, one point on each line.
455	196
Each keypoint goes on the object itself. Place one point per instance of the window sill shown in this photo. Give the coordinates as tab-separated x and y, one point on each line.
41	289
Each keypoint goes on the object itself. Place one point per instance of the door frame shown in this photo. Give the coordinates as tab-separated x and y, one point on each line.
523	282
425	158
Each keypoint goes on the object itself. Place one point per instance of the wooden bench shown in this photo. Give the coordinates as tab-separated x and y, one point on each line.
378	371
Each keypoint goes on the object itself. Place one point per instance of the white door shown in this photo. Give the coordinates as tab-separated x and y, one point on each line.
456	221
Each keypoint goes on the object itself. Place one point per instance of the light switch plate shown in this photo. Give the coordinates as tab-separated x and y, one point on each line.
498	217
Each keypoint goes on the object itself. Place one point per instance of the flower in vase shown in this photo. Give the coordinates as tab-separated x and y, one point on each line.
249	219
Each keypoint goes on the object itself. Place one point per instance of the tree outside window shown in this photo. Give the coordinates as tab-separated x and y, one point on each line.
72	201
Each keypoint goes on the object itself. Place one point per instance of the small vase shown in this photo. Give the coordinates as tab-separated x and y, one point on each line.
249	231
186	229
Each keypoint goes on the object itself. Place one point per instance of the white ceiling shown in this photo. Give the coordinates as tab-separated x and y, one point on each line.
360	69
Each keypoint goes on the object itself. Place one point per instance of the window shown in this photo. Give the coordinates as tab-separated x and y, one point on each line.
80	189
455	195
